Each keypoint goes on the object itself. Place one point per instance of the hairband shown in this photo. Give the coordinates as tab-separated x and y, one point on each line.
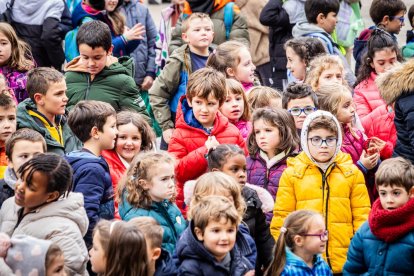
283	229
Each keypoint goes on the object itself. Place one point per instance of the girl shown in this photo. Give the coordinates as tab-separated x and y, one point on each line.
44	207
15	61
119	249
299	52
233	59
236	107
147	189
263	96
301	242
230	159
323	179
273	139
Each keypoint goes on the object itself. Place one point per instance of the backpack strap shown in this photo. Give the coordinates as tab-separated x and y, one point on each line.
228	18
326	41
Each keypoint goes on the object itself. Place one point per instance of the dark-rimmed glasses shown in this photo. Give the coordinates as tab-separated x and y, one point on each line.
323	236
296	111
318	141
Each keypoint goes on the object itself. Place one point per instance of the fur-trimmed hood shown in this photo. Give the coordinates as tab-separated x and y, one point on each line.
396	82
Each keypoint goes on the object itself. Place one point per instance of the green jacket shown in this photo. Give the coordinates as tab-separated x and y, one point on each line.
114	85
25	120
408	50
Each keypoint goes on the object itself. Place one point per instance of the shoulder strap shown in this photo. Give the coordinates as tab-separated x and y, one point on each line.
325	39
10	5
228	18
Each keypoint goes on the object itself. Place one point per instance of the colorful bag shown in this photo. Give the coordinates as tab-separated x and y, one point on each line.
350	23
71	48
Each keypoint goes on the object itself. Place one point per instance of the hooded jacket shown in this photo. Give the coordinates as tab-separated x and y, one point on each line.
397	86
296	266
335	189
29	117
7	185
63	221
114	85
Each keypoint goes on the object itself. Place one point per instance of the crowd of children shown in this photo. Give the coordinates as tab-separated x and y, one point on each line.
212	146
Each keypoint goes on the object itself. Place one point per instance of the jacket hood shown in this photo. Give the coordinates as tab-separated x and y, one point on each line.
121	65
79	158
295	10
10	177
305	133
305	28
36	11
396	82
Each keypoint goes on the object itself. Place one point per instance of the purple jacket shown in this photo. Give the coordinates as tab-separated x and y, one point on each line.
16	81
352	145
245	128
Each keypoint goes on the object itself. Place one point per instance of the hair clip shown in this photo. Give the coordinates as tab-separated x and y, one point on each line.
283	229
214	51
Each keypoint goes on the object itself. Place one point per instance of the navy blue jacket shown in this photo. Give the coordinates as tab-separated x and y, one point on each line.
91	178
165	266
194	259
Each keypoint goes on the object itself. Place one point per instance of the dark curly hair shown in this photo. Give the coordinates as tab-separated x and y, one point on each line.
298	91
306	48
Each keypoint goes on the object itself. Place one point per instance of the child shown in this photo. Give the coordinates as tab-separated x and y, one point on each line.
301	242
45	111
21	147
383	245
118	249
15	62
408	49
147	190
263	96
172	83
236	108
299	52
96	75
230	159
7	126
208	246
44	207
5	89
25	255
300	101
233	59
325	69
159	260
273	140
94	123
200	126
323	179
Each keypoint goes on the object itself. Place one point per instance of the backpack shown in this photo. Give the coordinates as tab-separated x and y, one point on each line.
350	23
228	18
71	48
325	40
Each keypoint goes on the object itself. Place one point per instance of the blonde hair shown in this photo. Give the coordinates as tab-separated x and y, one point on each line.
186	23
260	97
215	183
151	229
236	88
320	64
142	168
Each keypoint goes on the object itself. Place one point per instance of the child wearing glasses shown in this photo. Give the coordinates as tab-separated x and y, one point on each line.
299	247
324	179
384	245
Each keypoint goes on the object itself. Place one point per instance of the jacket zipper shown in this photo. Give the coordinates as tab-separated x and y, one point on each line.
266	184
325	204
87	88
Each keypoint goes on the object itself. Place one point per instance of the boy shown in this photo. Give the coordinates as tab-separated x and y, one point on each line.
200	126
21	147
324	179
208	245
321	16
94	123
45	110
408	50
97	75
384	244
300	100
160	261
172	83
387	15
7	125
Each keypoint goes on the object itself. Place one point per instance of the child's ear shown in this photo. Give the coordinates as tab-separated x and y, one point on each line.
320	18
184	37
198	233
215	170
298	240
109	53
411	193
230	72
38	99
156	253
52	196
94	133
189	102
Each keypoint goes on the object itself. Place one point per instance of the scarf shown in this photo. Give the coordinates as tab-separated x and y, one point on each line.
391	225
204	6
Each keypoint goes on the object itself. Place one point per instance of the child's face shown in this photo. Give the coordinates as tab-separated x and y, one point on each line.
233	107
394	23
333	74
94	59
384	60
54	101
346	109
235	166
328	22
5	49
7	123
295	105
23	151
57	267
244	71
295	64
128	143
97	255
218	238
205	110
108	135
110	5
267	137
162	184
393	196
314	244
322	152
200	34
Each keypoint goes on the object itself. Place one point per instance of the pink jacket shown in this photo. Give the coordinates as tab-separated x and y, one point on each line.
352	145
245	128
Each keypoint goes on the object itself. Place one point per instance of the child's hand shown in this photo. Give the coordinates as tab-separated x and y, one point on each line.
135	32
249	273
147	83
5	244
378	143
369	161
166	134
211	142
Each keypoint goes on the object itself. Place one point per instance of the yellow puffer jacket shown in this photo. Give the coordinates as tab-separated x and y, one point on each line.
342	199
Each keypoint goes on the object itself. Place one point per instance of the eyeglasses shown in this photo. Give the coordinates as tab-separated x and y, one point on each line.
296	111
323	236
318	141
401	18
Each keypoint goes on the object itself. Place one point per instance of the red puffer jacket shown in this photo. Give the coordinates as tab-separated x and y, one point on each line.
187	145
367	97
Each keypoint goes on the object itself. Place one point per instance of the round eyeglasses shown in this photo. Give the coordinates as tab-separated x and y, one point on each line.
296	111
318	141
323	236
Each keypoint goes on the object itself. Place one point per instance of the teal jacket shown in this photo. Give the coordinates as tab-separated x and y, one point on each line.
114	85
165	213
37	123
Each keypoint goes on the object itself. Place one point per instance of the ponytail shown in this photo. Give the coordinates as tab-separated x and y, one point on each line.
279	257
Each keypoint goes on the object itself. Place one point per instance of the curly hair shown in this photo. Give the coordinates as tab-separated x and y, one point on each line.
307	48
298	91
320	64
